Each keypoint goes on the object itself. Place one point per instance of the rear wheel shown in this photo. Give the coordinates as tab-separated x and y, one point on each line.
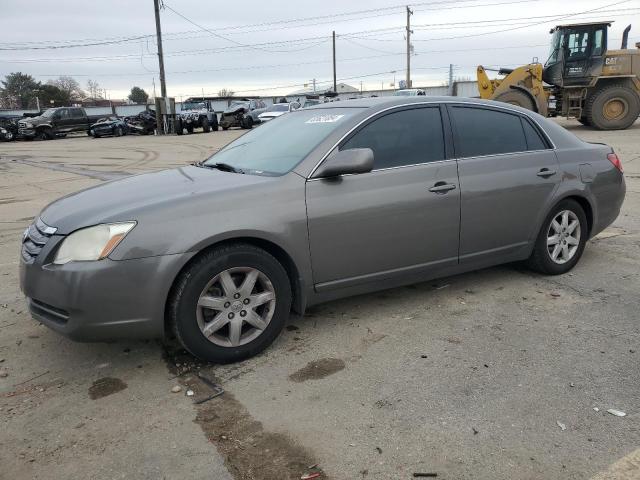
190	129
231	303
561	240
516	97
584	121
248	122
206	128
613	107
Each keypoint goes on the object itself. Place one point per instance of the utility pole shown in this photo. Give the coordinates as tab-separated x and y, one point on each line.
163	84
314	85
450	79
335	85
409	13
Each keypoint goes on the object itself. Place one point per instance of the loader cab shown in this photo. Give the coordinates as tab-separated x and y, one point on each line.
577	54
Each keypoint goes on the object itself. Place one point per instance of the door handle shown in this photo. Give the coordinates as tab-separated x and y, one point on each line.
545	172
442	187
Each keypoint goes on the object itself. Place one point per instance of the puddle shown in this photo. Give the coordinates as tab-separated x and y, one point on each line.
105	386
317	369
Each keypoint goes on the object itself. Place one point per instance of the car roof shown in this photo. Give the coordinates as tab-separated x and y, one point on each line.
381	103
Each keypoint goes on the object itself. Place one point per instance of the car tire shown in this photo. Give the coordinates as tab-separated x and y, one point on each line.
562	235
518	98
225	128
117	132
190	129
248	122
613	107
179	127
203	279
45	134
206	128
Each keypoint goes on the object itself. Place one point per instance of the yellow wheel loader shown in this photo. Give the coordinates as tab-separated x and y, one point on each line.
580	79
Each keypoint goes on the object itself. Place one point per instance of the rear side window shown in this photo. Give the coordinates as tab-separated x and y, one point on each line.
534	140
407	137
481	131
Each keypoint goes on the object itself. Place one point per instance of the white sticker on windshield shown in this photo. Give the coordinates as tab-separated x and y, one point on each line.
324	119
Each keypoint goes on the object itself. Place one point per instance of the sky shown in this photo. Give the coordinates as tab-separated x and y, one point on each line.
276	47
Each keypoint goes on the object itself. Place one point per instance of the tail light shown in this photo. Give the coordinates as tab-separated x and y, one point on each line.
613	158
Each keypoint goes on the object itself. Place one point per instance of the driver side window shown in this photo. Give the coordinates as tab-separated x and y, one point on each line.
405	137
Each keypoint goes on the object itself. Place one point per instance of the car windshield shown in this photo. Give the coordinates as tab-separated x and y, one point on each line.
279	107
193	106
277	147
239	104
556	42
49	112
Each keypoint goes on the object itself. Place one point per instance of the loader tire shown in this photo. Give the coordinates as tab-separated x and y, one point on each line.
518	98
584	121
613	107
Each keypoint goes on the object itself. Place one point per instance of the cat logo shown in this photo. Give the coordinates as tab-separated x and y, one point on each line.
611	61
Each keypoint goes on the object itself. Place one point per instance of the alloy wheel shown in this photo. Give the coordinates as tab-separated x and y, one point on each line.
236	306
563	237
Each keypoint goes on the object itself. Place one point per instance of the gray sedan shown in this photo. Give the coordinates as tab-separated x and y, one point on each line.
327	202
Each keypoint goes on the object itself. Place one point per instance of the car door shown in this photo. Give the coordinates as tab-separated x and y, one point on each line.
508	174
62	120
79	119
399	219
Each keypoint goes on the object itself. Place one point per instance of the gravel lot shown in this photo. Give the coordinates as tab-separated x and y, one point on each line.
489	375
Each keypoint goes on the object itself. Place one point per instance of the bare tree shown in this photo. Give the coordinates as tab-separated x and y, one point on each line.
93	89
226	92
69	86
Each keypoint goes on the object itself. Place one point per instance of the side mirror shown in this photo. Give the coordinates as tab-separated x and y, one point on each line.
346	162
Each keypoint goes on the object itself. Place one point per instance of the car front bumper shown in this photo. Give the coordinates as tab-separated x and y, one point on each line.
101	300
27	132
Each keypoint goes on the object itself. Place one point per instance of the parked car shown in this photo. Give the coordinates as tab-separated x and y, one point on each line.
55	122
278	109
242	113
144	123
8	128
196	114
409	92
324	203
113	125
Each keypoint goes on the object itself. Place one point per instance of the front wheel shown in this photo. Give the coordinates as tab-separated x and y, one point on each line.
561	240
206	128
231	303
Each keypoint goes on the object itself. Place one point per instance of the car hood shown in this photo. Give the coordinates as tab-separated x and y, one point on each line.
235	109
134	197
104	124
271	114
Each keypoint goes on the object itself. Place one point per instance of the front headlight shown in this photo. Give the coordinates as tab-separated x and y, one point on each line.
93	243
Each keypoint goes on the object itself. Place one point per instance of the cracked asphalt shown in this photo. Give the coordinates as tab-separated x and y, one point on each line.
495	374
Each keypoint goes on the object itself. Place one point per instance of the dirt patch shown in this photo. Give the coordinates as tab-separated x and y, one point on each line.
317	369
106	386
249	452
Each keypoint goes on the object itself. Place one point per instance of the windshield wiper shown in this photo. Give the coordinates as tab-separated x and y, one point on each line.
225	167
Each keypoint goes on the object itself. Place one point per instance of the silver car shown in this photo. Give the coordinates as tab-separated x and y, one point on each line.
327	202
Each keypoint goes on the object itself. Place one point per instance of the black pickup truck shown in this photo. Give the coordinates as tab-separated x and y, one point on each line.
56	122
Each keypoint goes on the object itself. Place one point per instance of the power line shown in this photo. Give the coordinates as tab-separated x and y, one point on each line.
237	29
525	26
